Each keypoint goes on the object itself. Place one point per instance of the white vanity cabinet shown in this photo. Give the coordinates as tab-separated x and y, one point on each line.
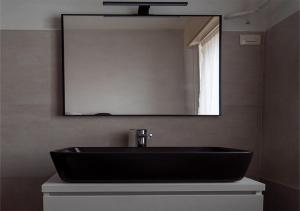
244	195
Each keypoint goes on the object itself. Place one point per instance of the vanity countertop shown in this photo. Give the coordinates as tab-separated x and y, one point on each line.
245	195
56	185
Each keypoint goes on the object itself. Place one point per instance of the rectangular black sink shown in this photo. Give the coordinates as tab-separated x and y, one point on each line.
151	164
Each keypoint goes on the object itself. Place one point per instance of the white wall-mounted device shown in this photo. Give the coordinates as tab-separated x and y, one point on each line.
250	39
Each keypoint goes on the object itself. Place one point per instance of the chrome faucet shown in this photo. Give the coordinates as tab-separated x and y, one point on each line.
142	136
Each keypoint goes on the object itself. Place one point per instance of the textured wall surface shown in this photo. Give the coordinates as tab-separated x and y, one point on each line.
280	152
32	125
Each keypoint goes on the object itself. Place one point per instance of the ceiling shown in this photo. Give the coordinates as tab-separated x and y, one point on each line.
45	14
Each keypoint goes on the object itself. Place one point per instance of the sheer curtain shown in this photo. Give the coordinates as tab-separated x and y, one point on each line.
209	75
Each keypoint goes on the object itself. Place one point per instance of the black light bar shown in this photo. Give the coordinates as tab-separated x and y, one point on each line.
144	6
143	3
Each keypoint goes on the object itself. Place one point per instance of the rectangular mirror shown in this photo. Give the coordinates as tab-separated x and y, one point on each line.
141	65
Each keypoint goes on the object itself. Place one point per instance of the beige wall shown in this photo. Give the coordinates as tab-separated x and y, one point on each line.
280	150
32	125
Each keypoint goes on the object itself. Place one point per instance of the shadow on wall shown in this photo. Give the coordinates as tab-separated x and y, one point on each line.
59	79
22	194
280	198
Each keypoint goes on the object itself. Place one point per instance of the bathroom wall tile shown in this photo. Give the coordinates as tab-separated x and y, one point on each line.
242	71
280	161
30	63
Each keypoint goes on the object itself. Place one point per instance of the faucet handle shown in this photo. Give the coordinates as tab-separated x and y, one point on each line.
142	137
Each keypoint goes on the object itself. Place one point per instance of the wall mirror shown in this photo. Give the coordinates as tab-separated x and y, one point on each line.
141	65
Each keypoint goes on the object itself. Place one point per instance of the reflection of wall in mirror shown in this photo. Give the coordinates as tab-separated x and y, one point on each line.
124	72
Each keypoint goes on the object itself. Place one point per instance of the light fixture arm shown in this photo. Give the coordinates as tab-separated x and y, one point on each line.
144	10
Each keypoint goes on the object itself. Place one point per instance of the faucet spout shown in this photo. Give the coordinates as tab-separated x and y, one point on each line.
142	137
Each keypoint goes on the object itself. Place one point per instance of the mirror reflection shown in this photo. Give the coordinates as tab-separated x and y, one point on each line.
132	65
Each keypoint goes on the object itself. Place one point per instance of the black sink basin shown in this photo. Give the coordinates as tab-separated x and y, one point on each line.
151	164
